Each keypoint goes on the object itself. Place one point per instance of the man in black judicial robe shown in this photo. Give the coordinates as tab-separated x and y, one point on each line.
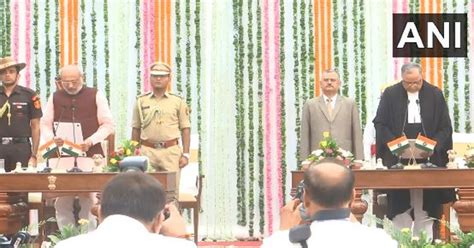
434	122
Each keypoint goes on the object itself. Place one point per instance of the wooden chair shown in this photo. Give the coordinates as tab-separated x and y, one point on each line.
189	201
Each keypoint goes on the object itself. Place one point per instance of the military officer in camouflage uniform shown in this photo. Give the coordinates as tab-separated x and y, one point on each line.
159	119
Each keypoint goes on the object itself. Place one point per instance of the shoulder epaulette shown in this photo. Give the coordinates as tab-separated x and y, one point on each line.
145	94
23	88
177	94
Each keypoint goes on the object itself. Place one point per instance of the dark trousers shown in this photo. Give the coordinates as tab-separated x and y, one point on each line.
13	153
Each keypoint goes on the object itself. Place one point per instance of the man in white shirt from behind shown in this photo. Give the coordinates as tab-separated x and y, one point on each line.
328	193
131	214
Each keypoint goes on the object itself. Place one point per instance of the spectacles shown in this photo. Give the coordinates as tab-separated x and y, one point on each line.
75	81
414	82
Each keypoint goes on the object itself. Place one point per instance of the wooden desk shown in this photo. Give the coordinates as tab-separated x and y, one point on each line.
462	179
14	208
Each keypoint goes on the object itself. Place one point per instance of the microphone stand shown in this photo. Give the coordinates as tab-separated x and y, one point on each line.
75	168
399	164
428	164
48	169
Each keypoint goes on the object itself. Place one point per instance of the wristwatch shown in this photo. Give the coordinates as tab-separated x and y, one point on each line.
187	155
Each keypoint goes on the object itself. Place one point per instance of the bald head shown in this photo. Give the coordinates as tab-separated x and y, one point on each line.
329	185
71	78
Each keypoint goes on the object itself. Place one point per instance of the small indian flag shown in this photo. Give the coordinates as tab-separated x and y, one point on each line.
399	144
72	149
48	148
425	143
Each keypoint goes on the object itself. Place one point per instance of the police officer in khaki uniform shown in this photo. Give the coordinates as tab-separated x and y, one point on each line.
20	113
159	119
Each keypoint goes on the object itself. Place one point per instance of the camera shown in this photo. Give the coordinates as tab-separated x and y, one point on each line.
17	240
166	213
299	191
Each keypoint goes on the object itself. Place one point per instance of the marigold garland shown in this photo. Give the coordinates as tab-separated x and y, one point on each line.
47	69
235	41
197	47
344	71
138	47
240	128
446	62
311	49
363	69
2	28
467	88
282	100
6	27
36	46
106	49
94	44
188	53
297	80
251	111
261	196
178	58
242	144
335	33
56	36
83	36
456	96
456	90
357	60
303	56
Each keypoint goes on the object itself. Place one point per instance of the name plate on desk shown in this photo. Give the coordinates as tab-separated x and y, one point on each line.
412	167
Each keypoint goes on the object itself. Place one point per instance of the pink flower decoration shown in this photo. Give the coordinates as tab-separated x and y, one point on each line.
347	162
328	151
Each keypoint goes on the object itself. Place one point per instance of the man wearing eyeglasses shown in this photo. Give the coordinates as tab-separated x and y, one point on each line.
411	107
331	113
76	103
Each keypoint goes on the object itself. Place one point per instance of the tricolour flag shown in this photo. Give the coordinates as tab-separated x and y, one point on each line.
72	149
425	143
48	148
399	144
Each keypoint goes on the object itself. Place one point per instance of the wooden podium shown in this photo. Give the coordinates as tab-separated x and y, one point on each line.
461	179
14	207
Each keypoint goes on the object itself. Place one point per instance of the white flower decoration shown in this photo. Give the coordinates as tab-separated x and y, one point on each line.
317	152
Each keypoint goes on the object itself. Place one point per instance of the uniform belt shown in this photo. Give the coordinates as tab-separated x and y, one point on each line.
164	144
14	140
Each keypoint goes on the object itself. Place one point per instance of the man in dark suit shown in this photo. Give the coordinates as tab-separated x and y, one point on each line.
331	113
410	107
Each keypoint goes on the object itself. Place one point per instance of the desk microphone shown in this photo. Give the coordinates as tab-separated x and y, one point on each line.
428	164
47	169
405	118
421	117
73	109
399	164
55	129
